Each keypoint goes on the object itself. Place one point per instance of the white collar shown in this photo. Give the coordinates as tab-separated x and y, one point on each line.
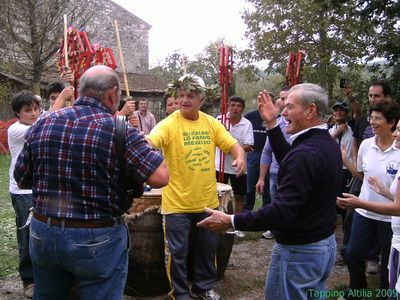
294	136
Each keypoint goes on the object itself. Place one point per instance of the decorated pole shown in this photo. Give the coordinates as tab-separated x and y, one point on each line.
294	68
76	54
225	79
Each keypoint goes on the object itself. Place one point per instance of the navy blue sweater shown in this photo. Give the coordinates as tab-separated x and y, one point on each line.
309	178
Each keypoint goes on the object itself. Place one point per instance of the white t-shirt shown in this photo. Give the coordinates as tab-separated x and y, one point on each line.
395	219
243	133
16	139
384	165
395	224
346	139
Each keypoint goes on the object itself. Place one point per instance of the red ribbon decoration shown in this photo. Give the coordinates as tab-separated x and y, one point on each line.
294	68
225	79
82	55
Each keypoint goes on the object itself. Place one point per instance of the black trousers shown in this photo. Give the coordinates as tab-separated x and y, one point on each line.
178	229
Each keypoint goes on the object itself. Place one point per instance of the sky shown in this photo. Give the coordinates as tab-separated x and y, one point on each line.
188	25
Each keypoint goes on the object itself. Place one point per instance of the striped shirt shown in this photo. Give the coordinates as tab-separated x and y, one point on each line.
69	159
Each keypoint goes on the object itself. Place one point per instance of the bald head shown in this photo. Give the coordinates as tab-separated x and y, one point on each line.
98	82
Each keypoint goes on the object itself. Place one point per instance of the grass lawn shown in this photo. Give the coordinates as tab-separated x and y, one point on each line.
8	237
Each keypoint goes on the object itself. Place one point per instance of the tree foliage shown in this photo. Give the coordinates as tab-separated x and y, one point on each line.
31	31
383	16
172	67
205	64
330	31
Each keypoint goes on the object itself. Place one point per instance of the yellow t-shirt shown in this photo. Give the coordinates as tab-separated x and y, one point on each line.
189	150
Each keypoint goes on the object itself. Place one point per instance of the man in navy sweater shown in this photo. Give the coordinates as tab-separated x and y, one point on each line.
303	214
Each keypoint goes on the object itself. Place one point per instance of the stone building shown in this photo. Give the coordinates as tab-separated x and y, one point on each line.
133	31
134	36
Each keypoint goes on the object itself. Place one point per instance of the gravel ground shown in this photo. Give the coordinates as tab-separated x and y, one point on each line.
244	277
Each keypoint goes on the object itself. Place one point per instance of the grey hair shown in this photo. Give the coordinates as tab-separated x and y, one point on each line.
97	80
310	93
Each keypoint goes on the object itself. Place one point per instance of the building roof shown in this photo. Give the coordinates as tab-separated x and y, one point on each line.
148	26
144	82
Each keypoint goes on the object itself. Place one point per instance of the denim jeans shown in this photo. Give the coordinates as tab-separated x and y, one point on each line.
95	258
253	173
273	185
362	239
22	203
300	271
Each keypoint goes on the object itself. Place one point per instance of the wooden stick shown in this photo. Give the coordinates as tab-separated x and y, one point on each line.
121	58
65	42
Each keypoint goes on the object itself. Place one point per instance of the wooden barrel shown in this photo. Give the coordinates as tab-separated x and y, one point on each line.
146	268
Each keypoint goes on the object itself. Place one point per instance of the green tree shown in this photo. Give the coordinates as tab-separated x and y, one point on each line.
173	66
383	16
31	31
205	64
331	35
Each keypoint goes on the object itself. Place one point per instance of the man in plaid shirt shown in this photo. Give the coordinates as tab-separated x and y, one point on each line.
69	160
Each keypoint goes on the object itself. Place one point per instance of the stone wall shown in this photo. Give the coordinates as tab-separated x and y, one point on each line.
133	31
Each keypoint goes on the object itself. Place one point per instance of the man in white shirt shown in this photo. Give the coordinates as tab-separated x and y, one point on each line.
242	130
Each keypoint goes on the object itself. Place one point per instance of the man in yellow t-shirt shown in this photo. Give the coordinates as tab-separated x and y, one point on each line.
188	138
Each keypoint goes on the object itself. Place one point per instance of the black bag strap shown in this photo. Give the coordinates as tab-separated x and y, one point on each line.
130	187
120	131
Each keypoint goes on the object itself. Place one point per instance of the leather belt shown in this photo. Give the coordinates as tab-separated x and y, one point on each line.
76	223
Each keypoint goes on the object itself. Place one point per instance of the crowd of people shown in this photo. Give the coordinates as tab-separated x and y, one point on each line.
65	173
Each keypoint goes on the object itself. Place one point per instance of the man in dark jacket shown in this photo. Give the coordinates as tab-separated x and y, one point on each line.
303	214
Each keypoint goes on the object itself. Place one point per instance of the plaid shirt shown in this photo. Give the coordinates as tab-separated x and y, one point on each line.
69	159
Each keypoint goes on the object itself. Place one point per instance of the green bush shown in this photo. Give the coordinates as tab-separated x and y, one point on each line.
8	236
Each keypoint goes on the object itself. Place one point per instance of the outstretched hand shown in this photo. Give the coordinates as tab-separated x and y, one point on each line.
348	200
216	221
268	110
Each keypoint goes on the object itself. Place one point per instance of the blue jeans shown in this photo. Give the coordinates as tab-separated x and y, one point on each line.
273	185
299	271
95	258
22	203
362	239
253	173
